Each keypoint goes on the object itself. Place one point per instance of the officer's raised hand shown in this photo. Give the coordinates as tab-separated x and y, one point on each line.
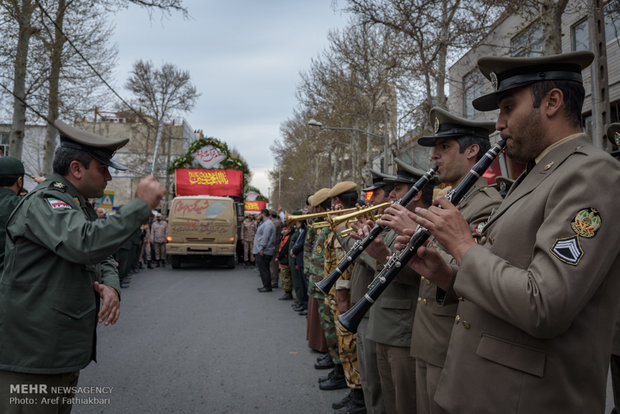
151	191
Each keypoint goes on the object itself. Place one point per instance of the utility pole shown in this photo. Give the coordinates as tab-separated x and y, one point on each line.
600	80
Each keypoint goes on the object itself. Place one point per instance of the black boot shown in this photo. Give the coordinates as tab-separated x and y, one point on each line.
336	382
150	264
344	402
355	405
324	363
156	263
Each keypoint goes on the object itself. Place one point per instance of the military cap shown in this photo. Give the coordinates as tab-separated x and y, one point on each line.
296	213
377	181
341	188
319	197
100	148
448	125
507	73
405	173
11	167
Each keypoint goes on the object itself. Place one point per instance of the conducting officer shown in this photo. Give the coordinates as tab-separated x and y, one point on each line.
59	278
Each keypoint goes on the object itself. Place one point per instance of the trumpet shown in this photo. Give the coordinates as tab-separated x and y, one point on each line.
345	232
344	218
290	219
351	318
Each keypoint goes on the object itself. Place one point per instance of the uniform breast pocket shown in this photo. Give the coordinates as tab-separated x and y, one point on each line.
512	355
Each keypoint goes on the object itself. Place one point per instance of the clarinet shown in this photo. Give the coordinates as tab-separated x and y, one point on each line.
358	248
351	318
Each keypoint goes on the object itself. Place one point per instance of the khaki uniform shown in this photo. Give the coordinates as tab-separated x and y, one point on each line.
390	326
433	321
533	331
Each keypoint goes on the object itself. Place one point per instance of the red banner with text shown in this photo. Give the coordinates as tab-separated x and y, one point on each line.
208	182
254	206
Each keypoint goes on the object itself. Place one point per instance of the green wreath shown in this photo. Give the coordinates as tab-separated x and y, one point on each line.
230	163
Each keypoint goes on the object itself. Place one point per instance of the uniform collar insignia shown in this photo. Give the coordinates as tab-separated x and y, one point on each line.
494	80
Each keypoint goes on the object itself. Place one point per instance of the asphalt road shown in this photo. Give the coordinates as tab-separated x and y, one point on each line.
203	340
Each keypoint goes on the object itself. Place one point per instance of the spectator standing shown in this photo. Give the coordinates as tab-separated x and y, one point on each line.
283	263
273	265
248	231
264	248
145	254
159	232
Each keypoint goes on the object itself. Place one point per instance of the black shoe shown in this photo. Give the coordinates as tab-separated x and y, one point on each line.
124	285
344	402
325	363
298	308
263	290
157	263
355	405
322	357
274	286
303	312
286	296
337	382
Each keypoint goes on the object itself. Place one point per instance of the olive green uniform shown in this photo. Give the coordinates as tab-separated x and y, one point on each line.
56	250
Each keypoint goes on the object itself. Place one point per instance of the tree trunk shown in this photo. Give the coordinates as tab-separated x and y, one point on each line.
551	20
54	80
18	126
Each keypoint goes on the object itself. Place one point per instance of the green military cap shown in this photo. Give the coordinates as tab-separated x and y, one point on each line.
296	213
319	197
11	167
507	73
448	125
378	181
405	173
341	188
100	148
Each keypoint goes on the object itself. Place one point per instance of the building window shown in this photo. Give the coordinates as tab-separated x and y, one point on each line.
472	88
581	35
4	144
528	43
612	20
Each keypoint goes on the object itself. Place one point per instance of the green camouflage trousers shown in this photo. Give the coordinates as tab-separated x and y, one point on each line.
285	279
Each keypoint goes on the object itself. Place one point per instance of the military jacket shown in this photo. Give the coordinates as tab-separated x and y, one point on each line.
433	321
534	328
333	255
8	201
391	316
56	250
308	248
317	260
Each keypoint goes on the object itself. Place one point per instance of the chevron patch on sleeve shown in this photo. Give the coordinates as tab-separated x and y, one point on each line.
568	250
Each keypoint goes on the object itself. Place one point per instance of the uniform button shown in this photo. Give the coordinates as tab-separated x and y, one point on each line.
424	301
460	298
483	240
457	318
422	278
466	325
428	282
419	299
491	240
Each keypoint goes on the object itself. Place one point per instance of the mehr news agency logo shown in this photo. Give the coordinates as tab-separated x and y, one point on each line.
43	394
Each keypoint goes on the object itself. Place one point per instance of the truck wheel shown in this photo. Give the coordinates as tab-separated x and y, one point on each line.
175	261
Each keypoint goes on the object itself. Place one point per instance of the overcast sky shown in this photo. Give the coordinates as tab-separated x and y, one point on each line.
244	57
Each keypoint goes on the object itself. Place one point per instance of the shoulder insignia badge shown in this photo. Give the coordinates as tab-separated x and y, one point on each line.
479	228
568	250
57	204
586	222
57	185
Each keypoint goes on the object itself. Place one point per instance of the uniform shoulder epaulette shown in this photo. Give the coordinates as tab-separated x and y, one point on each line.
57	185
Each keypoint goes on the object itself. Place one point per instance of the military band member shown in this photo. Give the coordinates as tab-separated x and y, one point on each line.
457	145
59	277
534	325
361	276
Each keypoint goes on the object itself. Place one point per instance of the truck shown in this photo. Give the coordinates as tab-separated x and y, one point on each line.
202	228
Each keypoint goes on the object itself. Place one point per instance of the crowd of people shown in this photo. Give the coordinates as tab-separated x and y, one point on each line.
517	283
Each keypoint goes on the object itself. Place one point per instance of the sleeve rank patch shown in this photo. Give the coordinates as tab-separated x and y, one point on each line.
568	250
586	223
58	204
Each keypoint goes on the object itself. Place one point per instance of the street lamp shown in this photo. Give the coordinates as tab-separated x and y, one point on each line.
314	123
